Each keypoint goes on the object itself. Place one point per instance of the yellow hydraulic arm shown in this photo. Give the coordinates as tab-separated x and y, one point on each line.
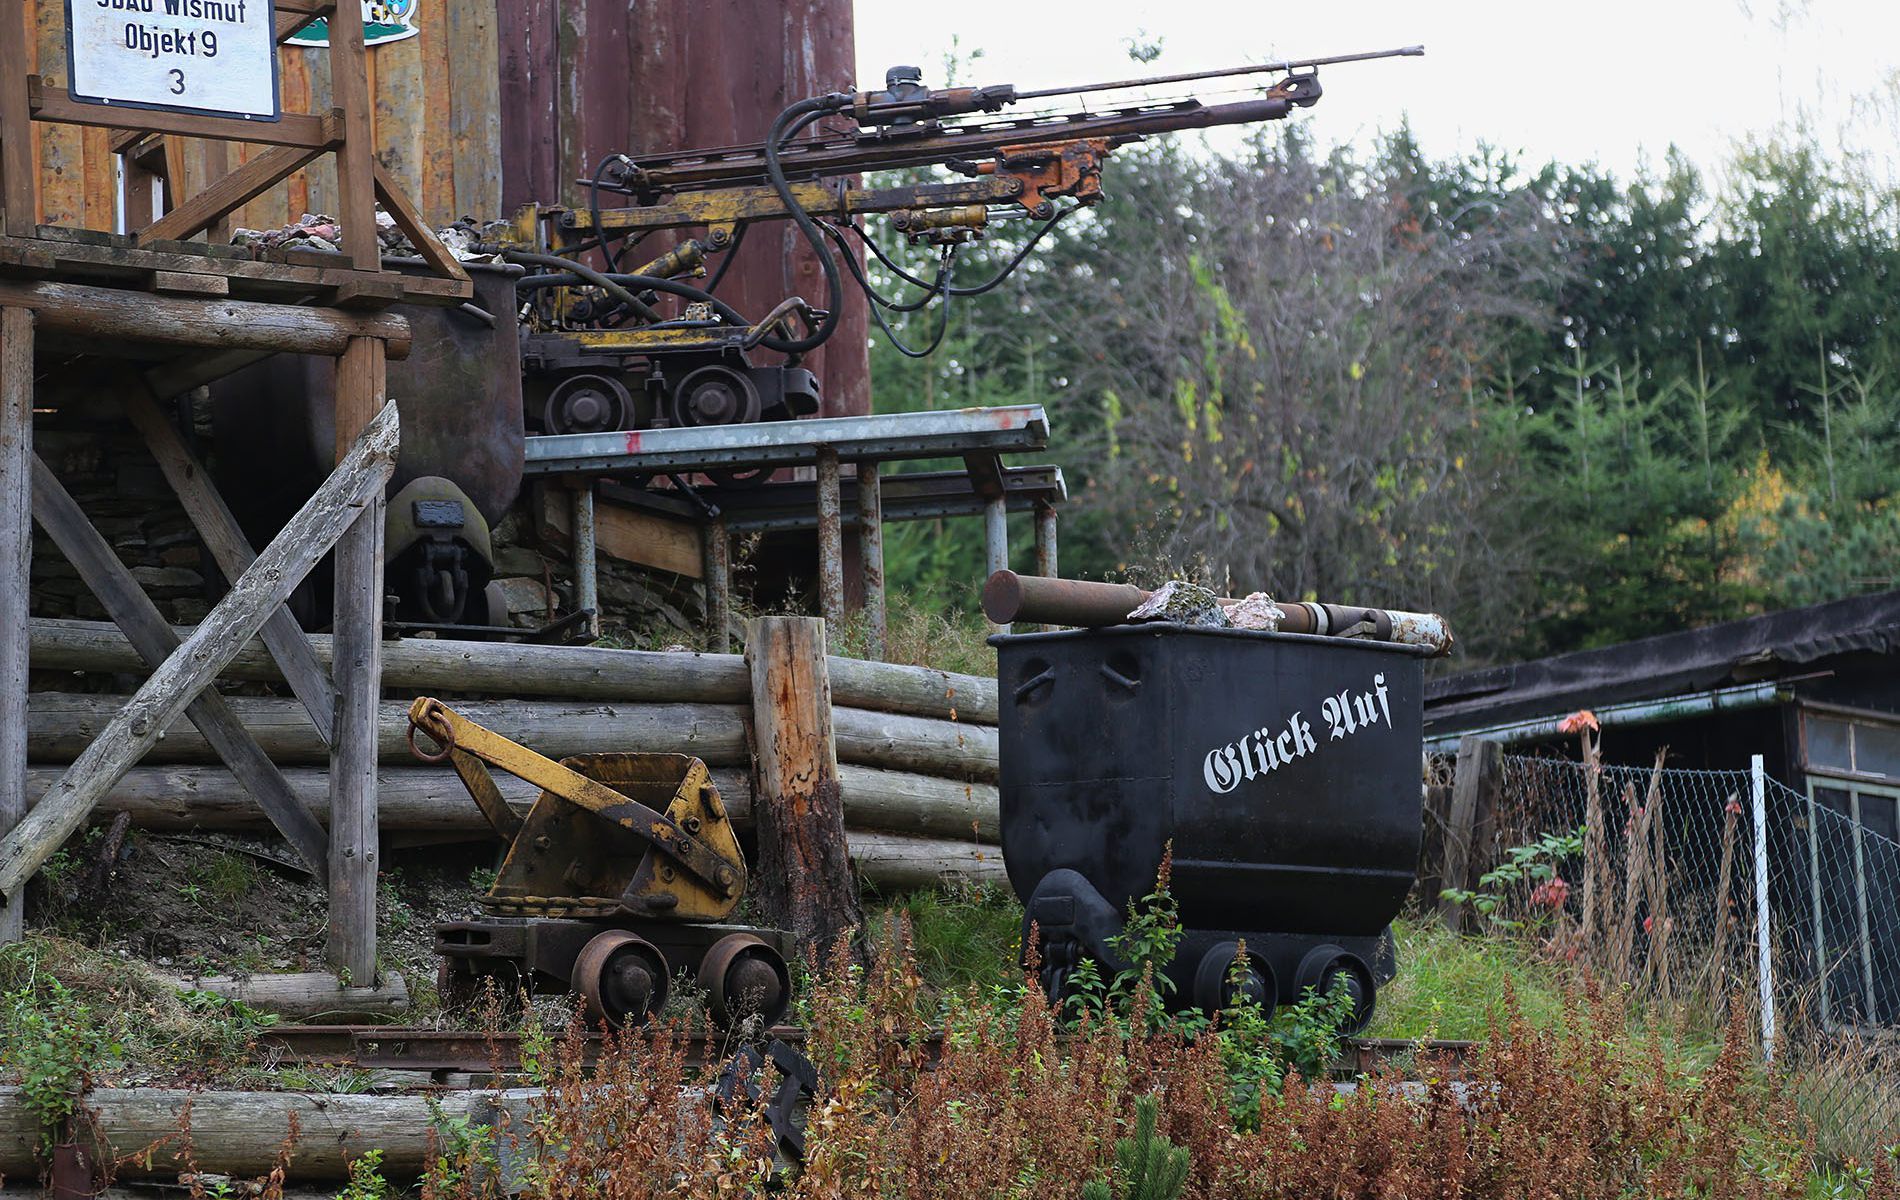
701	875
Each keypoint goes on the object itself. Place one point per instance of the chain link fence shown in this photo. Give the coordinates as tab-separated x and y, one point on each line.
1698	890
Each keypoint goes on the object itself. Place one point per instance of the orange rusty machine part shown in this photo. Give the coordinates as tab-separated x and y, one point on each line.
619	877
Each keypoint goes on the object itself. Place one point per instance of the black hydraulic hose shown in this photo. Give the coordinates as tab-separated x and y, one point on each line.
593	212
787	126
897	344
987	285
731	252
931	290
588	274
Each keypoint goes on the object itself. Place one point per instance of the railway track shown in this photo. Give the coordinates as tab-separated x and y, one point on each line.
458	1051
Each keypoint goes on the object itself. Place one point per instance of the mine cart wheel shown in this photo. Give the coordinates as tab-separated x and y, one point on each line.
622	977
1324	966
1215	989
744	977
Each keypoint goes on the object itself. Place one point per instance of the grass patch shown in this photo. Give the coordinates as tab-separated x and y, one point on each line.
1449	985
922	637
56	995
962	934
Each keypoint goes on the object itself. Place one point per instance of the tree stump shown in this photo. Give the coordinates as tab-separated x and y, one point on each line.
804	882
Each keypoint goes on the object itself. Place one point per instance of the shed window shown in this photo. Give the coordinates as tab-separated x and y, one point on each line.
1852	764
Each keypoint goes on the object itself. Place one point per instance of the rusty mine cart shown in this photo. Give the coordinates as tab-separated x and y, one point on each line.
620	876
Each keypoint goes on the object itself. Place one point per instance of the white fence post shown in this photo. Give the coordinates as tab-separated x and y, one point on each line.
1764	971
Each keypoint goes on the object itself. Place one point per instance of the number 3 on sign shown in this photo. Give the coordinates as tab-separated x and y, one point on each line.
178	81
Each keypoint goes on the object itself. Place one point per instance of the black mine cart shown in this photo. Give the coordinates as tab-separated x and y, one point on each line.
1283	770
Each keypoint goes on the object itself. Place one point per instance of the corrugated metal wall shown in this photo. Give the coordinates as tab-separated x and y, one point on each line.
498	102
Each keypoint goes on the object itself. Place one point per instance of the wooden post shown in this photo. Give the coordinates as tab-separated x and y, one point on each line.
355	169
356	669
1474	800
718	556
18	212
830	537
804	878
195	664
871	556
16	547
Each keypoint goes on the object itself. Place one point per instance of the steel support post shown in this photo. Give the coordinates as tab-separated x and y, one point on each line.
996	540
1764	942
830	538
16	570
871	552
1046	545
586	560
718	587
1046	541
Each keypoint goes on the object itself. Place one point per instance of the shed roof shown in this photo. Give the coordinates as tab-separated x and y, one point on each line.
1668	664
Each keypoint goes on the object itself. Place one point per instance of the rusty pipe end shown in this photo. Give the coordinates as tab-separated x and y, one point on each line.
1002	596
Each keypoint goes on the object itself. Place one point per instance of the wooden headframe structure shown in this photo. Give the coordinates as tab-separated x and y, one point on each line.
152	316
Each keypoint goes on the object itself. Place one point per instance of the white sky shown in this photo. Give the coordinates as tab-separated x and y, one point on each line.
1608	81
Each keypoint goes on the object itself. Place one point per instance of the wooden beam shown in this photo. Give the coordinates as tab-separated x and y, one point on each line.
19	213
412	798
60	725
1475	788
56	106
96	312
231	550
146	628
185	283
355	175
304	995
293	15
16	560
357	483
628	534
403	211
356	669
239	1133
251	179
804	879
570	673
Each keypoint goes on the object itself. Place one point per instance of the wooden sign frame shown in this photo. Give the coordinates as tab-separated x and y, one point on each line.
294	140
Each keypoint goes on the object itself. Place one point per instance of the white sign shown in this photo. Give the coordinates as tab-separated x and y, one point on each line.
217	57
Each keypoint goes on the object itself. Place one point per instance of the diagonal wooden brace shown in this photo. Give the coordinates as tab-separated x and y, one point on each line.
152	636
357	482
231	550
409	219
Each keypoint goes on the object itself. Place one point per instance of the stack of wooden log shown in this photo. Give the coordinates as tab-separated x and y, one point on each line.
916	747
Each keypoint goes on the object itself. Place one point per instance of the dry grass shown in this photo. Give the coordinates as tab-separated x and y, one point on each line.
1018	1105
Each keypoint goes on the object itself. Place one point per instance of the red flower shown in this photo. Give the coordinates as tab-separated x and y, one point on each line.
1551	893
1647	922
1578	721
1733	805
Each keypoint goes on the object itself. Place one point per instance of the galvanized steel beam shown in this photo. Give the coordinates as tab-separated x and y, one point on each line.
951	433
